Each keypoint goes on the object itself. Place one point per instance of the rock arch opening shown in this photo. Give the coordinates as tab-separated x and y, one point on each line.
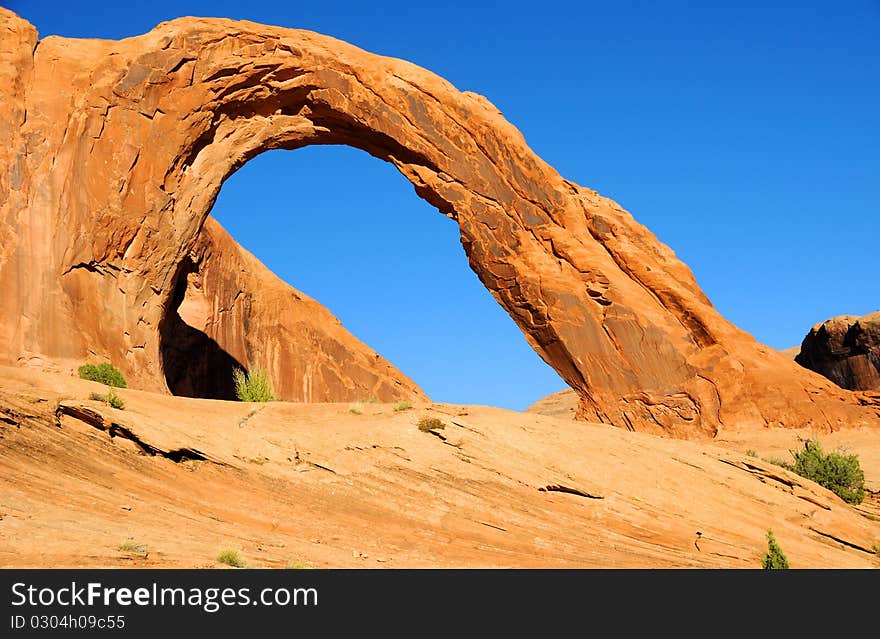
347	230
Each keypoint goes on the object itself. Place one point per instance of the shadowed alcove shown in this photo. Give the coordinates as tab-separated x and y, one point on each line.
194	364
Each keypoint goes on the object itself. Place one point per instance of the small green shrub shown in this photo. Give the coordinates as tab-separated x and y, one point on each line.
297	565
401	406
115	400
774	558
751	453
131	546
356	410
231	558
110	398
430	423
253	386
104	373
837	471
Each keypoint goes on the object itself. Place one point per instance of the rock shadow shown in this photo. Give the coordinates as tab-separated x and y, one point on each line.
194	364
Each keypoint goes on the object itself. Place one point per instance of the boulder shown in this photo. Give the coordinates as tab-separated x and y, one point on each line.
846	350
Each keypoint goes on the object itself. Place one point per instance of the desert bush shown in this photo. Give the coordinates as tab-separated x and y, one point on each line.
401	406
115	400
430	423
253	385
839	472
109	398
356	409
231	558
774	558
105	373
131	546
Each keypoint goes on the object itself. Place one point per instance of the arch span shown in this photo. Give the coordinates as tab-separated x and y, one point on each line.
129	158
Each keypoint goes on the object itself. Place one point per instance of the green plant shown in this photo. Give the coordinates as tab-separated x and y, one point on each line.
104	373
356	409
774	558
131	546
297	565
430	423
115	400
751	453
837	471
110	398
253	385
231	558
401	406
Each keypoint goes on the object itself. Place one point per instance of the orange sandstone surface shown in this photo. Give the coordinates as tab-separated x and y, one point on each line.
285	483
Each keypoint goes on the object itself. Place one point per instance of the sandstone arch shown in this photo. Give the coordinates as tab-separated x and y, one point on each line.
125	162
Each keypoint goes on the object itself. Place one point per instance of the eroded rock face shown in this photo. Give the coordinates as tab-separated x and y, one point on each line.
846	350
232	311
110	176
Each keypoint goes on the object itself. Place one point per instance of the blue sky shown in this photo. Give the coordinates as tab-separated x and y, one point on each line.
745	136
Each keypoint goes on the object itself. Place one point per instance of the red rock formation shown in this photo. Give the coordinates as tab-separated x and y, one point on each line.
232	311
112	173
846	350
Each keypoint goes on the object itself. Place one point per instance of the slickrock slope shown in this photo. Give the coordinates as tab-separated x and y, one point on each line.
108	178
314	484
846	350
564	403
561	404
232	311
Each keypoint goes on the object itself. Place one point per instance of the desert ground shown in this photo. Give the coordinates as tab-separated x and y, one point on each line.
174	481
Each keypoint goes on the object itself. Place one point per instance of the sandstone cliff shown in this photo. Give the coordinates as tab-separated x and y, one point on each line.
110	174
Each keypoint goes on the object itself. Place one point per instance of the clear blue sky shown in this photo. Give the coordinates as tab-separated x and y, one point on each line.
746	135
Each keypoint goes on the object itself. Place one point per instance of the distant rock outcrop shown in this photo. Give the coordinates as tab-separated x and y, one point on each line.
563	404
846	350
109	176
